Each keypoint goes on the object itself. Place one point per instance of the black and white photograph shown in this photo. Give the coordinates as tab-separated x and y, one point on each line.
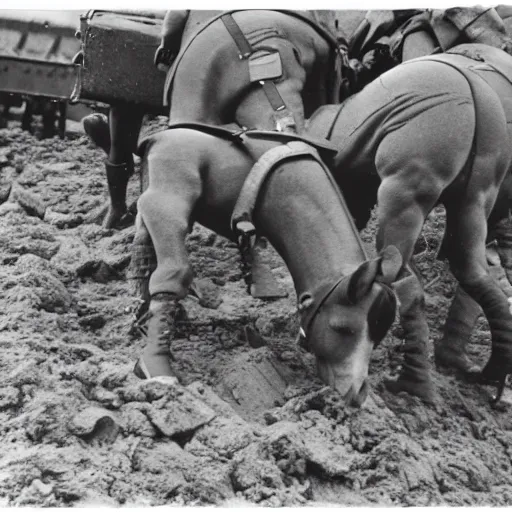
255	257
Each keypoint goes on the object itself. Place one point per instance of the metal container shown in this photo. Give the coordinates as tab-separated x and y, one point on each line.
116	62
36	56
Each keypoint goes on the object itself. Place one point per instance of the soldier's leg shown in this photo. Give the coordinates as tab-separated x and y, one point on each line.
119	140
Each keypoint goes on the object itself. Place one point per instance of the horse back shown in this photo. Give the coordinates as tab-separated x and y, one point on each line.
209	79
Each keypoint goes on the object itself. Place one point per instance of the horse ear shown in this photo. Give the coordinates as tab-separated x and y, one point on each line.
386	267
361	281
391	264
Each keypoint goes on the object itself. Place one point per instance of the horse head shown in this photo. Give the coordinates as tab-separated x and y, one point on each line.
342	321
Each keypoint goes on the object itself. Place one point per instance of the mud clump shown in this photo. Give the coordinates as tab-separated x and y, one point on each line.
243	425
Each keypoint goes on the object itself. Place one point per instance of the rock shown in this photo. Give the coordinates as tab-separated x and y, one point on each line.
208	396
106	398
179	413
255	382
62	166
98	270
62	220
164	464
72	253
10	207
30	202
10	397
251	469
207	293
135	420
92	322
224	436
26	235
42	488
43	290
94	423
5	191
32	175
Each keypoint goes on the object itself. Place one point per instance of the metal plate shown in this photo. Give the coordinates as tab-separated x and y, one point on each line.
37	78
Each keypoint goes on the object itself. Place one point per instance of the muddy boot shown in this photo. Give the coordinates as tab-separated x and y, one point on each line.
158	334
117	179
451	351
97	128
415	377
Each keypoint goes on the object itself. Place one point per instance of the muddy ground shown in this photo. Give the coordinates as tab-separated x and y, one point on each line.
78	428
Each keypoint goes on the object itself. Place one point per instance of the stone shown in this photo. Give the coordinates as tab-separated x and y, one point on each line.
10	397
94	423
30	202
62	220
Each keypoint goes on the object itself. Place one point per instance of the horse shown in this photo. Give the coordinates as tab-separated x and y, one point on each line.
227	179
261	69
425	33
431	130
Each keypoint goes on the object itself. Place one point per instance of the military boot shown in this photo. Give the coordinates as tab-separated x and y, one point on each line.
118	176
158	333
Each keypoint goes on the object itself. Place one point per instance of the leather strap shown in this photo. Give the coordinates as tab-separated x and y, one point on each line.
246	50
242	217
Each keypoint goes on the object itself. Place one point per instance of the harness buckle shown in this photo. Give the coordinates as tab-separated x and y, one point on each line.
245	228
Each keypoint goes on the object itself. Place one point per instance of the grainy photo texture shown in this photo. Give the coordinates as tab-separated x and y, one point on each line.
256	257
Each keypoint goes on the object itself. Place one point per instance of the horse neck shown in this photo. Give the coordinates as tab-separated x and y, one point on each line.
302	215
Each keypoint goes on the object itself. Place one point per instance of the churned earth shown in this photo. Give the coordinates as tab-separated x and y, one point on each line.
244	424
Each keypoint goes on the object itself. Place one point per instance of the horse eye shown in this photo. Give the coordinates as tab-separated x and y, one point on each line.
346	331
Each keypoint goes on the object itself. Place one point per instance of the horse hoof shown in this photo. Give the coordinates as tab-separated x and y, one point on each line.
460	361
423	390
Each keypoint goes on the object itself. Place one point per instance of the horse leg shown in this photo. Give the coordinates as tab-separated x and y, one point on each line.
165	208
142	265
401	215
467	229
415	162
461	319
503	235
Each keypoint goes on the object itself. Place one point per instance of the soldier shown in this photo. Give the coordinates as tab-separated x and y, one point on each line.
118	134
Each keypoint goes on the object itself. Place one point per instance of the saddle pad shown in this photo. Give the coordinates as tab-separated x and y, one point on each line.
304	16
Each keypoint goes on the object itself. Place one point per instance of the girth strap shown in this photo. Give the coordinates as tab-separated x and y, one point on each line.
241	219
